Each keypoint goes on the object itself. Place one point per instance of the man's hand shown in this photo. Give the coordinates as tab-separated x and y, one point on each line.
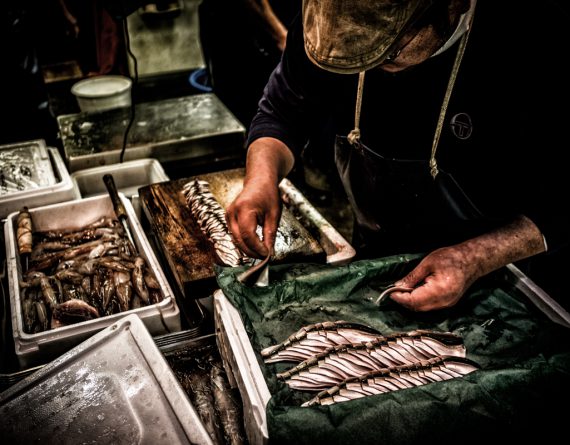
439	281
443	276
259	203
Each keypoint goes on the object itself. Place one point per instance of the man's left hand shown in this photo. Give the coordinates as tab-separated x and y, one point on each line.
439	280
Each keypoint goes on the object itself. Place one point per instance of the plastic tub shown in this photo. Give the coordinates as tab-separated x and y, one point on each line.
53	183
102	93
129	177
115	387
33	349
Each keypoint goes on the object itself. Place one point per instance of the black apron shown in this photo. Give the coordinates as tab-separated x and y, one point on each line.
399	207
405	206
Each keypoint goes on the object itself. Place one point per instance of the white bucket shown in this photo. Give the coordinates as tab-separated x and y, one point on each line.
103	92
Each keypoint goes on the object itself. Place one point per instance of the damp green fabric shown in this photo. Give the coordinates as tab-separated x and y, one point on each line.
518	394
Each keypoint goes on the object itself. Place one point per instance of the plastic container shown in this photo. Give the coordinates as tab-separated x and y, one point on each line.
34	349
115	387
242	367
50	182
102	93
129	176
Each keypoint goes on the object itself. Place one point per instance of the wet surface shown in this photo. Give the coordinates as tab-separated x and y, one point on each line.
25	166
171	129
112	389
324	191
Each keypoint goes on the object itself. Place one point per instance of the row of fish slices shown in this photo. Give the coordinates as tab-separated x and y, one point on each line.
437	369
399	356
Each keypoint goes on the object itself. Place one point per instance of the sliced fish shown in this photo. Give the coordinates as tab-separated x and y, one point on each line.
400	377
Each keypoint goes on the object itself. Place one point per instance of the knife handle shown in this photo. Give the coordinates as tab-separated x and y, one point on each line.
115	199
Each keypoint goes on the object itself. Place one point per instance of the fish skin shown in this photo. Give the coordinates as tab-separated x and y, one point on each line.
203	400
229	411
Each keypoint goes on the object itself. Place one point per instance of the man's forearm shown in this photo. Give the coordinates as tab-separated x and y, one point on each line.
513	242
268	161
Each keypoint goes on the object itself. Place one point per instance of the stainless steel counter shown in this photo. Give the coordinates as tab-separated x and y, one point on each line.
185	128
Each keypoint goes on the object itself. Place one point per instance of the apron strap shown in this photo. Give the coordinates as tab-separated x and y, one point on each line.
460	51
354	136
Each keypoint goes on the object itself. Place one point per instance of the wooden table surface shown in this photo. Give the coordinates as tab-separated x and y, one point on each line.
187	250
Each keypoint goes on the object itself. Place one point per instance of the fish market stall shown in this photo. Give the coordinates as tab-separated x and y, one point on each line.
43	274
309	355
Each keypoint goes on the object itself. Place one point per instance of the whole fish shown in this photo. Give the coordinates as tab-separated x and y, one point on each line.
123	289
73	311
203	400
228	408
41	312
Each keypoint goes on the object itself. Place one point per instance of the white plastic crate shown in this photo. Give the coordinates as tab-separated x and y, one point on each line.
129	176
33	349
51	178
115	387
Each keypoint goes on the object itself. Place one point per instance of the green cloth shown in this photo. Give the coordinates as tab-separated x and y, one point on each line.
517	393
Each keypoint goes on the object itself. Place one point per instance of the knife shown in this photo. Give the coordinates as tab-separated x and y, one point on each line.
119	208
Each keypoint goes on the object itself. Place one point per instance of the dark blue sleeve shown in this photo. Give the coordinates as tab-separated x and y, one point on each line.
295	92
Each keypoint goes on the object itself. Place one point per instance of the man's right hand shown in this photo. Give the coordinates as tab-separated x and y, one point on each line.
259	203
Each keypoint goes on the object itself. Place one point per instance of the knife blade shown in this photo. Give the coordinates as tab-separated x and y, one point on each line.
119	208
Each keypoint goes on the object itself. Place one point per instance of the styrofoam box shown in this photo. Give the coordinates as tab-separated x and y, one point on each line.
61	189
242	368
114	388
129	176
33	349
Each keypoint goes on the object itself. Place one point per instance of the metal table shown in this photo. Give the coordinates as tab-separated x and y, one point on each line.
193	127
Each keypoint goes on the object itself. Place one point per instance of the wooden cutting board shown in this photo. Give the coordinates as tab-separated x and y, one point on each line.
187	250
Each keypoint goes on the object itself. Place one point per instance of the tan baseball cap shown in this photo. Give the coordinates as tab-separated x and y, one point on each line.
349	36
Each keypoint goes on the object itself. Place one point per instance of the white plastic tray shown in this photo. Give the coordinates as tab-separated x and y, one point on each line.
116	387
241	365
34	349
129	176
56	187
